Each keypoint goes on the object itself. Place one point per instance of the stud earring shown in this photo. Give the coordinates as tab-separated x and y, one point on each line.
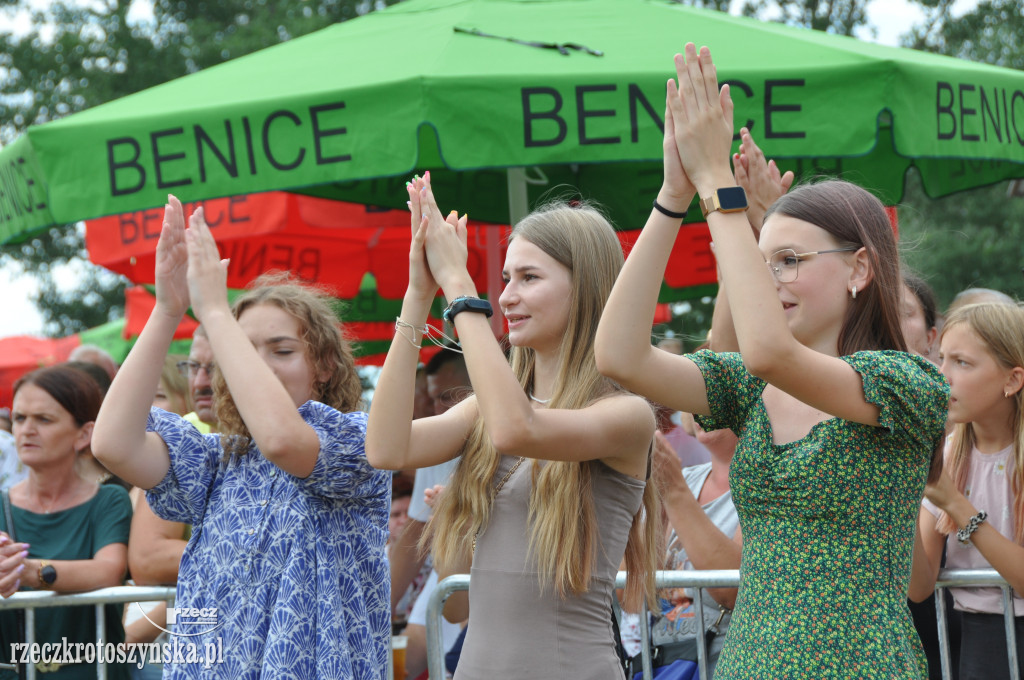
854	292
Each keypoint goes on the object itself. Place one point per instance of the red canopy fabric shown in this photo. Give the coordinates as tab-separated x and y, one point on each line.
330	243
22	353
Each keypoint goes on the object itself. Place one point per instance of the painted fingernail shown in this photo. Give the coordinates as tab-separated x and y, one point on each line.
24	553
408	204
17	584
21	568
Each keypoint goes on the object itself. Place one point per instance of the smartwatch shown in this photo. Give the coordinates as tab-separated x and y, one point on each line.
726	200
467	304
47	574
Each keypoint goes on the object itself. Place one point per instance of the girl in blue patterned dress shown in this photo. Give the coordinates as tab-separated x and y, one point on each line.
837	423
286	559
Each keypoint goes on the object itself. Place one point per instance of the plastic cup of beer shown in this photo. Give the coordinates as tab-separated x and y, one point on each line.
398	645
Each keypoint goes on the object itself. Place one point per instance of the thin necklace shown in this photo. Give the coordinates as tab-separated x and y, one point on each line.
497	489
539	401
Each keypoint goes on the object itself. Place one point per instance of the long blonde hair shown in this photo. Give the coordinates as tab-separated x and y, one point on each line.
326	348
1000	327
563	536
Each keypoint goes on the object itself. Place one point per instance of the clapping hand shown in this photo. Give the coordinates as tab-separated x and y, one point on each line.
760	179
446	247
702	118
421	282
172	262
207	273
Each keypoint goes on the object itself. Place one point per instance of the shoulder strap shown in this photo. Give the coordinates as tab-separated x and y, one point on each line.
9	516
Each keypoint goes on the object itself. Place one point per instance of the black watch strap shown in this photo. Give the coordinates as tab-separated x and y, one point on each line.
467	304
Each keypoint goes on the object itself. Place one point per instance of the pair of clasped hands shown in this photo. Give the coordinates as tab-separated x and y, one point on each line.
698	139
189	270
438	254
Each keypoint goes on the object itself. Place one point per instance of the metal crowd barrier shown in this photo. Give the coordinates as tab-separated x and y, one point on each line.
36	599
701	580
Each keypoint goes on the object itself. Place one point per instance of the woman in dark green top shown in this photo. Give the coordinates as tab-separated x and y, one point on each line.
72	534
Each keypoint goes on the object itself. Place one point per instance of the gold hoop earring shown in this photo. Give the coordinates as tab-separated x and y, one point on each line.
854	292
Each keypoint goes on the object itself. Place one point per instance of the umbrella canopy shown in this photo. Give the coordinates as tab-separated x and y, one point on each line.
21	354
330	243
559	91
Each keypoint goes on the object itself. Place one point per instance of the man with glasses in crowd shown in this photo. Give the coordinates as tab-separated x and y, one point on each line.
199	371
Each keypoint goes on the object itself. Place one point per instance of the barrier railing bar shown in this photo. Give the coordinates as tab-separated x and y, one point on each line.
30	637
702	651
101	630
1011	632
645	641
700	580
35	599
945	661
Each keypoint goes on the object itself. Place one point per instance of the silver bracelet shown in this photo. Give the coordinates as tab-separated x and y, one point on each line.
964	535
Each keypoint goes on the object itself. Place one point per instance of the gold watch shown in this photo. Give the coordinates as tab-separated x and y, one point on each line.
726	200
47	574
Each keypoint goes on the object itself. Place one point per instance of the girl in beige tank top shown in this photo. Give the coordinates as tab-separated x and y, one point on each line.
550	492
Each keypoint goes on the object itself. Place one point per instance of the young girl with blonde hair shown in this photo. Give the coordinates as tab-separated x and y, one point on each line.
550	491
976	508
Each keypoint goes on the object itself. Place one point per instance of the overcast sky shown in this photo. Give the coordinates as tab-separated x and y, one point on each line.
18	316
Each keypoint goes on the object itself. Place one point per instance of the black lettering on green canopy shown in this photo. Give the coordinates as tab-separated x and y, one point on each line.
202	138
132	164
946	109
770	109
320	133
160	158
582	114
529	116
966	112
278	165
637	96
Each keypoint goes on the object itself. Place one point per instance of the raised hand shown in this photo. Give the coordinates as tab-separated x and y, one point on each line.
446	248
207	273
676	190
666	470
760	179
702	117
421	282
172	262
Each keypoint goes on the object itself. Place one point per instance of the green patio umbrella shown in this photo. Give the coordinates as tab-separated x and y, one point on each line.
506	99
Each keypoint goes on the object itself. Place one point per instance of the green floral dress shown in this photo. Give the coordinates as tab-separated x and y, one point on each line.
828	524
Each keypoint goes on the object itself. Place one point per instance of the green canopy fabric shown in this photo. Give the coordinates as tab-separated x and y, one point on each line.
559	91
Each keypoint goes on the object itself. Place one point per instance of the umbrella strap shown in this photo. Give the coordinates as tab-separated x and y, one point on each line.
563	48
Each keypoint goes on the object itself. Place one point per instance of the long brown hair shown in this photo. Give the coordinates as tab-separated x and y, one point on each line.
326	349
1000	327
854	217
563	523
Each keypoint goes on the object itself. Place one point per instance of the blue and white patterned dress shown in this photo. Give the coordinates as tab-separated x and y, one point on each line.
295	567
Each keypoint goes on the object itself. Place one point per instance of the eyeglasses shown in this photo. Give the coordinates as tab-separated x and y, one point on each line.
190	369
784	264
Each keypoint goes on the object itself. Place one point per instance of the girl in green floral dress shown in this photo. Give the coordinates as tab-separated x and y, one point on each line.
838	424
